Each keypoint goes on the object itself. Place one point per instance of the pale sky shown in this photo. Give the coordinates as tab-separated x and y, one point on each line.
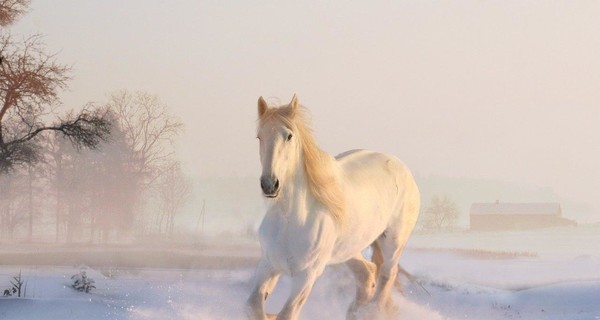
503	90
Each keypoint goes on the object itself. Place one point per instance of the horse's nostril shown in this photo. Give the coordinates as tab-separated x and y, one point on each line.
276	184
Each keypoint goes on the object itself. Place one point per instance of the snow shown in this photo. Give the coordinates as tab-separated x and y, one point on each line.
462	277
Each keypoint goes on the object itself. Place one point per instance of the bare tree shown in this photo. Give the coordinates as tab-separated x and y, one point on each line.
30	81
149	131
114	189
11	10
174	190
441	213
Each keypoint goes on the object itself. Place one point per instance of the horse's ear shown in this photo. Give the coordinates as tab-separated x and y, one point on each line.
294	103
262	106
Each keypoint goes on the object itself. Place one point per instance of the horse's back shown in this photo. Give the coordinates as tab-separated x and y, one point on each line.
362	164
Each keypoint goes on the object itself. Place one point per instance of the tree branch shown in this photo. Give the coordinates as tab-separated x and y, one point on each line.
86	130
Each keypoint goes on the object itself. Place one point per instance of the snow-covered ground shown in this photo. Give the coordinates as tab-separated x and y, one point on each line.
462	277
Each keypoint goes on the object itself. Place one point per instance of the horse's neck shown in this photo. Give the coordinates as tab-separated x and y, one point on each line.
296	195
297	199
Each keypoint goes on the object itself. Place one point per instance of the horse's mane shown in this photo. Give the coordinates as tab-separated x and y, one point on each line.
318	165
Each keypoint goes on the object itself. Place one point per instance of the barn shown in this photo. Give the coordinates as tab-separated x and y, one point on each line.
516	216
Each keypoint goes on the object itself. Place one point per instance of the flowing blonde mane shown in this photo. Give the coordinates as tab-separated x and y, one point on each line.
321	177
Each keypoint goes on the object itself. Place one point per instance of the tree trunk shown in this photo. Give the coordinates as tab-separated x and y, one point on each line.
58	193
92	228
171	224
30	186
160	223
70	224
4	222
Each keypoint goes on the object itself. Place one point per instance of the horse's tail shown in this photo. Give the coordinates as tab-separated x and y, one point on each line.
410	277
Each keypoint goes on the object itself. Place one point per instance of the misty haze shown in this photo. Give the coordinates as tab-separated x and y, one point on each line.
132	183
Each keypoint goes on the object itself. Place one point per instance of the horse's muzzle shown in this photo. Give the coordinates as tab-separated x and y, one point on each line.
269	186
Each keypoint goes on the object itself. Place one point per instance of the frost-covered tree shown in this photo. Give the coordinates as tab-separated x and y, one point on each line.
174	190
94	189
149	131
114	192
442	212
105	188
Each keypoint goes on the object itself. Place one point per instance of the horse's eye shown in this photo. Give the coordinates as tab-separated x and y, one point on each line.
289	137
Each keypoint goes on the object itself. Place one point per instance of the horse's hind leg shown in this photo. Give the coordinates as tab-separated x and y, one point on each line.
391	243
365	274
376	257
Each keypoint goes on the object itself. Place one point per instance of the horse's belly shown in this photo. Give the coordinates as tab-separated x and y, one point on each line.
349	244
368	221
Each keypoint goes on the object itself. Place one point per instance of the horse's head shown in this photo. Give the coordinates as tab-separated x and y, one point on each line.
279	145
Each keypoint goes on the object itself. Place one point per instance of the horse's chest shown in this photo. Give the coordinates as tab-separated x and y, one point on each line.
291	246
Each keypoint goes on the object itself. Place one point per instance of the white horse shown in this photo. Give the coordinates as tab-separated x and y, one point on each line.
327	210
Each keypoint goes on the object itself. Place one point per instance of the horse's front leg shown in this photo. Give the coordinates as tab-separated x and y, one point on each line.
302	283
265	280
365	273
